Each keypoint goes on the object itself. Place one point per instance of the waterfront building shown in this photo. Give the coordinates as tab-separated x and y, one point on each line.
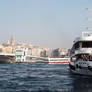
59	52
36	51
1	48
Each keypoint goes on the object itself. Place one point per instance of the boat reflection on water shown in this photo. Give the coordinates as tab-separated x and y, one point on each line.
81	83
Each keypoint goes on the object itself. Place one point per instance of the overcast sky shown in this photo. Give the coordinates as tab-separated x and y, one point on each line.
47	23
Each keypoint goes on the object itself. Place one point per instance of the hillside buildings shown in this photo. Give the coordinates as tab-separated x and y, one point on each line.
24	51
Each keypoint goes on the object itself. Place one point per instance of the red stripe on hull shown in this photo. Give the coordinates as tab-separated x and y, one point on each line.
59	62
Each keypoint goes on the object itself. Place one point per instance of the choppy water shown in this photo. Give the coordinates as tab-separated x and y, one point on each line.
39	77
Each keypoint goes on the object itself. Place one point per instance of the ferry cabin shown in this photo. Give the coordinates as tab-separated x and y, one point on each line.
21	54
83	50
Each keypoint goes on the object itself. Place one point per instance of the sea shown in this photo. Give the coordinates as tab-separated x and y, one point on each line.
41	77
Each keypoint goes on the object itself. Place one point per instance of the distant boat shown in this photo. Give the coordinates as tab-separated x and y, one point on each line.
7	58
65	60
22	55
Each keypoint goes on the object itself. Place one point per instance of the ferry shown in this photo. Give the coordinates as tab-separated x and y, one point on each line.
7	58
7	55
58	60
22	55
81	55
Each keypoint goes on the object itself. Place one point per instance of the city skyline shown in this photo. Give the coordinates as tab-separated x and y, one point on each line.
46	23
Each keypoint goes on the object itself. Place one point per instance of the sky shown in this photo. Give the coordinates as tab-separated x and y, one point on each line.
46	23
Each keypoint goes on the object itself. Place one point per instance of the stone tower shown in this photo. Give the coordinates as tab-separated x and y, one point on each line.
12	41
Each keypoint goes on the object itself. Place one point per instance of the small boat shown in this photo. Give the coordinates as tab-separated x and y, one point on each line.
7	58
7	55
65	60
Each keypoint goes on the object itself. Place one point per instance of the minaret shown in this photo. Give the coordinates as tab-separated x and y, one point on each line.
12	41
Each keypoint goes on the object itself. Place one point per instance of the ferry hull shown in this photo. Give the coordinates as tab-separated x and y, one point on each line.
81	70
7	59
58	60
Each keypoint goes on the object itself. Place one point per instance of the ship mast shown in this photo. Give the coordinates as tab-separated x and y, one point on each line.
89	19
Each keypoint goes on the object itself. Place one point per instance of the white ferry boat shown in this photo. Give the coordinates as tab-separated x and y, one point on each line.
21	55
59	60
81	55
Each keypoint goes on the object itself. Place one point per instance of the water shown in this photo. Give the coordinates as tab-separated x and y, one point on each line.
39	77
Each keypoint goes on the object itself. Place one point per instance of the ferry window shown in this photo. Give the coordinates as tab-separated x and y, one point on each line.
77	45
18	50
84	57
87	44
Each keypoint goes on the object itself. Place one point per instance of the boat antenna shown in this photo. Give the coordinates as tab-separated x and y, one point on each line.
89	18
